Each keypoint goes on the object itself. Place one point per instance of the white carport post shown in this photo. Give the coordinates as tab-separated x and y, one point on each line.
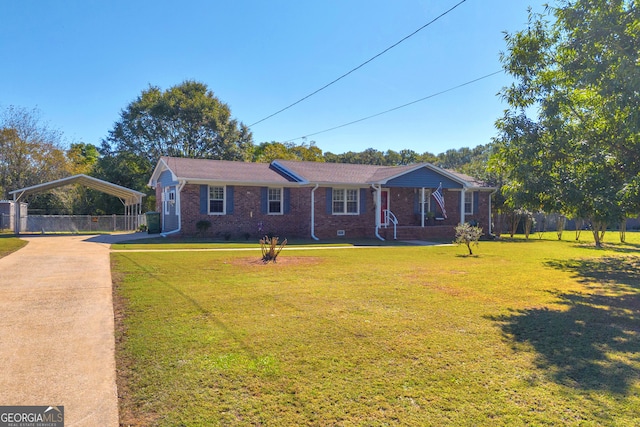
17	214
126	216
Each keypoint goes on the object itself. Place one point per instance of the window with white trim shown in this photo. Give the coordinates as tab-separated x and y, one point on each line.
468	203
216	200
346	201
169	200
274	201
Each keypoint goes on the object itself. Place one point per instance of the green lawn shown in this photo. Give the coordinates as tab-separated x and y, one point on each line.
9	243
156	243
535	332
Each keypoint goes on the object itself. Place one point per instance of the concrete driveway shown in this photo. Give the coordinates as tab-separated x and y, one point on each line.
56	329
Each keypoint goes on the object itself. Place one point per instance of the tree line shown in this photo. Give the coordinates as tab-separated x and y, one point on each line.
568	142
186	120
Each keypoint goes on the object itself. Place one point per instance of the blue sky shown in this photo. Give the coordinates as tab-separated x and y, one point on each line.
81	62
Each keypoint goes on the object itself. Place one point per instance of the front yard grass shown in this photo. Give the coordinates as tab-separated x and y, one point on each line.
535	332
9	243
159	243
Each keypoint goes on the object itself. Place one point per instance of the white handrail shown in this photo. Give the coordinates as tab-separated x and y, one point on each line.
389	216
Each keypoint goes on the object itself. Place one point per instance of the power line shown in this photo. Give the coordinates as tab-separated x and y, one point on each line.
398	107
359	66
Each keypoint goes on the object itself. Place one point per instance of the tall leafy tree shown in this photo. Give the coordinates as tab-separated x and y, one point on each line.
126	169
82	158
570	141
269	151
30	151
187	120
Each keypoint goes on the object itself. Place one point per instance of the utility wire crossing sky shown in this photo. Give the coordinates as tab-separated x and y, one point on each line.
398	107
81	63
359	66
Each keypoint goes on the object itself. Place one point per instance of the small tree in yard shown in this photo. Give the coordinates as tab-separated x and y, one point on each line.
468	234
270	248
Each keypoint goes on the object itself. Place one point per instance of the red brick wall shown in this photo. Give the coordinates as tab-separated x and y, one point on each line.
354	226
481	216
159	198
246	217
402	203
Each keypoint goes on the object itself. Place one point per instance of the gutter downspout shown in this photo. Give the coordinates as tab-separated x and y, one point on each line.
313	213
378	209
462	194
178	206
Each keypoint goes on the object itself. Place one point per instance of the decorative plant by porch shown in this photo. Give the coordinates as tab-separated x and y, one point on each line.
431	217
270	248
468	234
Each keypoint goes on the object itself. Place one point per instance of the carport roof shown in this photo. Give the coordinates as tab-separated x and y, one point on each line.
128	196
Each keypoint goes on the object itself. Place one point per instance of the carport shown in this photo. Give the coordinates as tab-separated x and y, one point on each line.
131	199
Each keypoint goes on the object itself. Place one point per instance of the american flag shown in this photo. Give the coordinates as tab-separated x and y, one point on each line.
438	196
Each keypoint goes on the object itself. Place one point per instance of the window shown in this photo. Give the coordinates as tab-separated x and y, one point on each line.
216	200
169	200
427	200
275	200
468	203
345	201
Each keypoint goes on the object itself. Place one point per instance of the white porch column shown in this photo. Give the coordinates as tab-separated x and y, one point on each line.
378	191
422	208
462	194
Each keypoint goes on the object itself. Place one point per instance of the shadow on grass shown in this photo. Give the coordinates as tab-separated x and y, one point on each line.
611	271
629	248
594	342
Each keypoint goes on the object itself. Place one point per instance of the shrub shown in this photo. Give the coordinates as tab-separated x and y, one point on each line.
468	234
203	225
270	248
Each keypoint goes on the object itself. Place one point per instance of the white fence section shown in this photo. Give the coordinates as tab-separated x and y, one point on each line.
82	223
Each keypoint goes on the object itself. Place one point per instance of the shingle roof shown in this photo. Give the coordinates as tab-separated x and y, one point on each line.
341	172
222	170
471	181
292	171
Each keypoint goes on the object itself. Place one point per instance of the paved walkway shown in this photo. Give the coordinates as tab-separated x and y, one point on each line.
56	329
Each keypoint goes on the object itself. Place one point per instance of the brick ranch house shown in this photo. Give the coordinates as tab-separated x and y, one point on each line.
315	200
